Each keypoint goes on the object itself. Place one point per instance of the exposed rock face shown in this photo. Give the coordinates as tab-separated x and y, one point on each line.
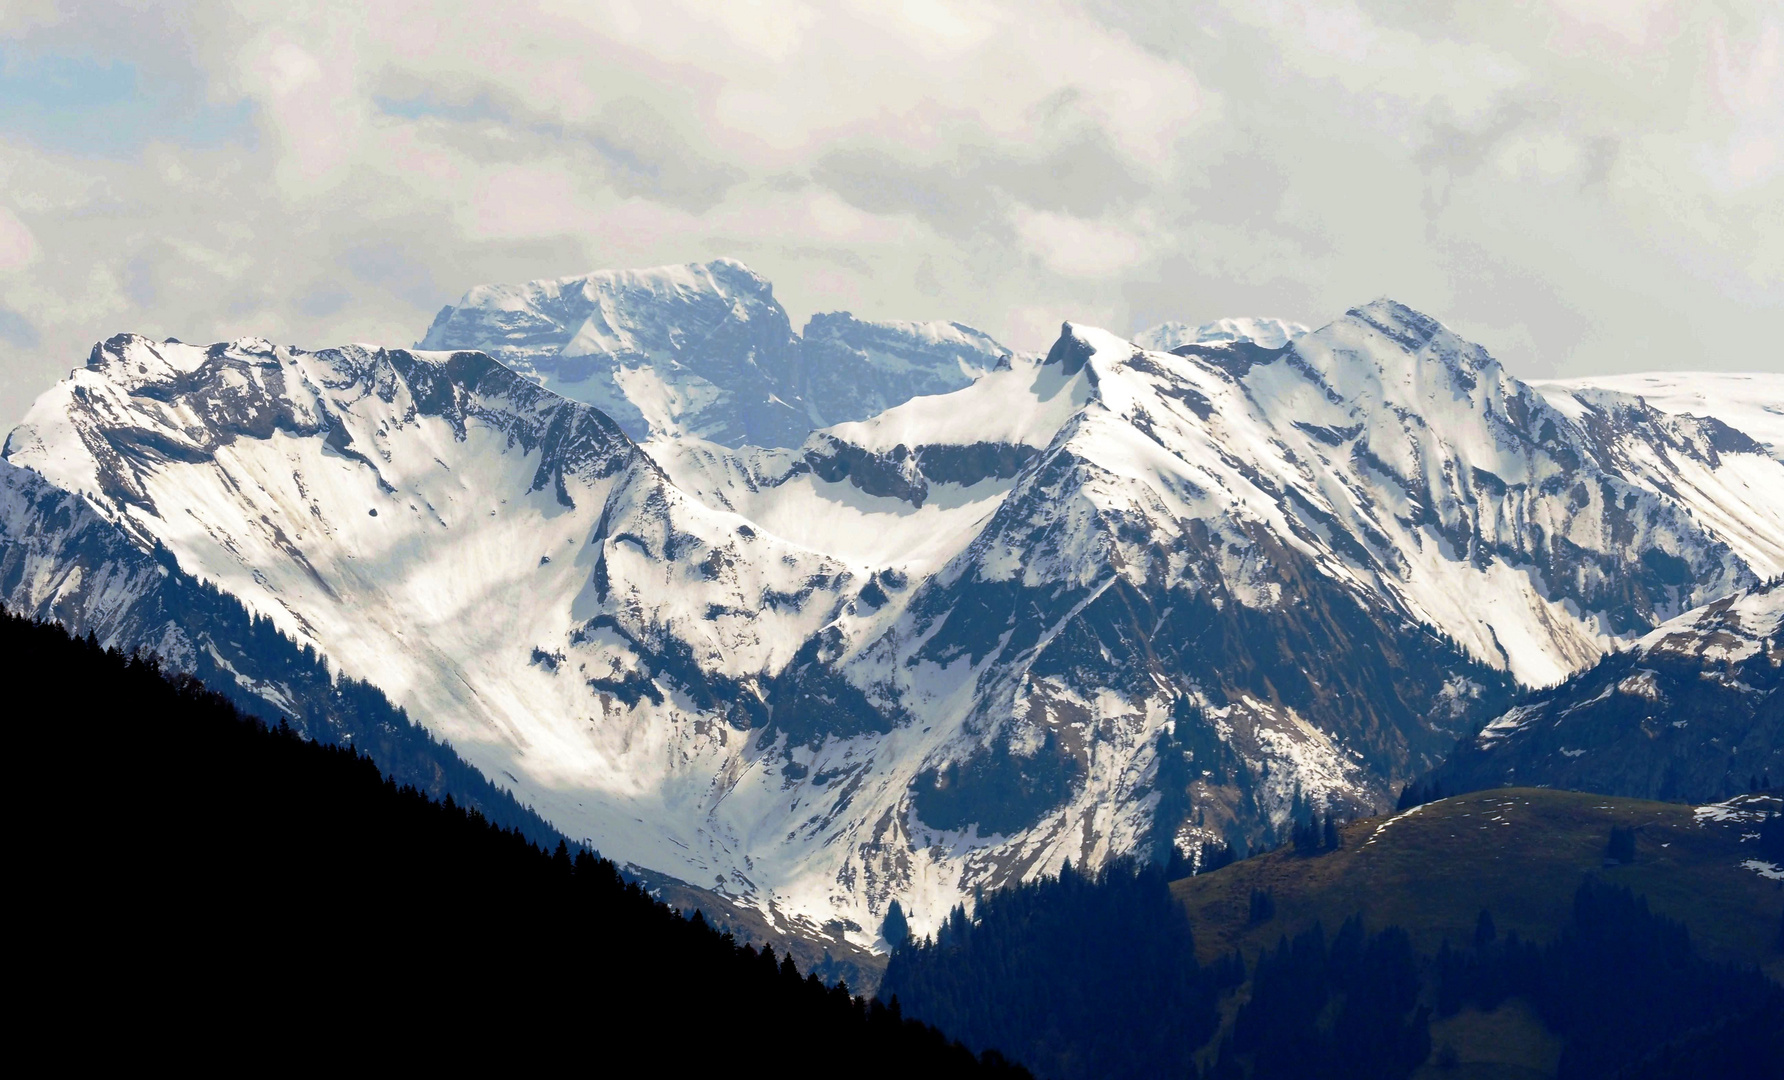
1077	607
1693	710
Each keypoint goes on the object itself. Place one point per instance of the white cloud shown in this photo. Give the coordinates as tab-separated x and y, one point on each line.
1750	90
1634	22
1075	248
18	247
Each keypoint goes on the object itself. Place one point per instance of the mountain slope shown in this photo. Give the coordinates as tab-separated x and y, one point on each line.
61	560
1518	852
1527	857
1692	710
398	510
1333	964
1750	402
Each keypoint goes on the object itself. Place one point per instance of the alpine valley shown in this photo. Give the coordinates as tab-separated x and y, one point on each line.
886	611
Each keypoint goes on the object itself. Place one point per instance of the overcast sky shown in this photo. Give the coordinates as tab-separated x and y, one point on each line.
1583	186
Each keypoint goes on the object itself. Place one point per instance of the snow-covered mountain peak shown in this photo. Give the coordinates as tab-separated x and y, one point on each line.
705	351
972	348
1263	332
675	292
1383	439
131	360
702	349
1386	347
852	369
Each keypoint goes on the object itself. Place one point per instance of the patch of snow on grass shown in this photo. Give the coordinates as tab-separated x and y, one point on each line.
1397	817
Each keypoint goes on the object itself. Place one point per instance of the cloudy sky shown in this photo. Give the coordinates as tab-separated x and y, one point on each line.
1584	186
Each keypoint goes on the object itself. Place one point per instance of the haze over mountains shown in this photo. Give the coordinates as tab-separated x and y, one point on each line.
883	610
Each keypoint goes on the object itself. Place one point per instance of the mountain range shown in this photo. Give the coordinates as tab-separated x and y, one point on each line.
884	610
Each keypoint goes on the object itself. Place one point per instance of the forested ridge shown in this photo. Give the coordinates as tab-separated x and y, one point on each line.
1082	976
199	885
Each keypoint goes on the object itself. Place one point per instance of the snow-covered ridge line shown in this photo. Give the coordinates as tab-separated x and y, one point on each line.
1267	333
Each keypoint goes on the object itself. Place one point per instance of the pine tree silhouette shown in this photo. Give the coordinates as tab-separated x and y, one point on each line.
895	929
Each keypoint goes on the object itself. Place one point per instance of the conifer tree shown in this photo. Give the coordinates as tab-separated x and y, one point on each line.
895	928
1485	933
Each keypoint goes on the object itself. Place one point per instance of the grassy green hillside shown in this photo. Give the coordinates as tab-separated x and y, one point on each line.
1518	852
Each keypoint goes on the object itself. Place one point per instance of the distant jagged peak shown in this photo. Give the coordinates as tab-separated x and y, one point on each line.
1078	343
704	350
659	312
1265	332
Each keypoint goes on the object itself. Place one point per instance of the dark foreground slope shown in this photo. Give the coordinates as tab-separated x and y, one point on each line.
229	891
